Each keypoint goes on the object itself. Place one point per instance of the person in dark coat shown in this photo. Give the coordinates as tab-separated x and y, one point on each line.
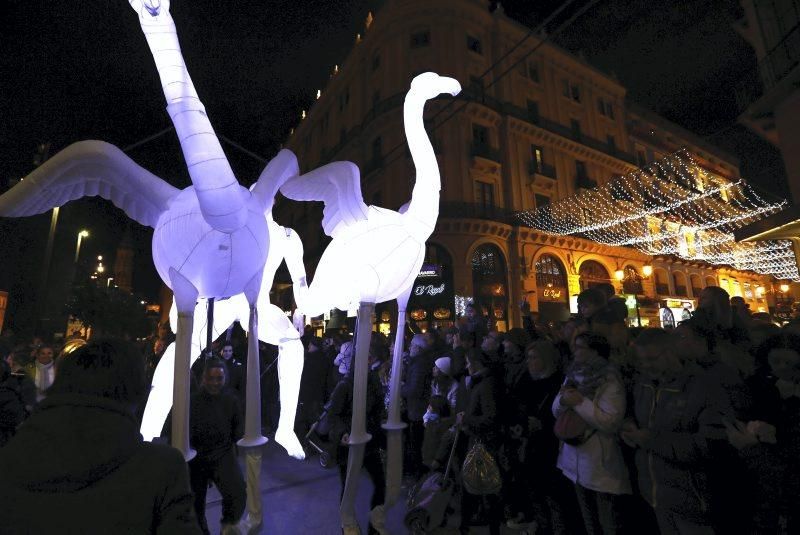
678	414
215	424
340	413
415	392
480	421
770	445
79	465
313	385
12	407
547	497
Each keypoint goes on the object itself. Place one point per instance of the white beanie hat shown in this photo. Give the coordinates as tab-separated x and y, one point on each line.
443	363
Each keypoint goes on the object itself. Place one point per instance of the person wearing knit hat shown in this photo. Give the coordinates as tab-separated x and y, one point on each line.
443	365
443	383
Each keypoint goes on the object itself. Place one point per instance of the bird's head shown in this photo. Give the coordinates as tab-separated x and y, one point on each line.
429	85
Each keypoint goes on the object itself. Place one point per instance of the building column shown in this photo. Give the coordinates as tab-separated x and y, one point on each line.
649	286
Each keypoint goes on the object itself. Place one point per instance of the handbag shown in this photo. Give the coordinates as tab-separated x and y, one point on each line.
571	428
480	474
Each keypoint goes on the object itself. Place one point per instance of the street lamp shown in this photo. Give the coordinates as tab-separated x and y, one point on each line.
647	270
784	287
81	235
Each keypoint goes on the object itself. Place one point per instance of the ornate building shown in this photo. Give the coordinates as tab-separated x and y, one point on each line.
511	142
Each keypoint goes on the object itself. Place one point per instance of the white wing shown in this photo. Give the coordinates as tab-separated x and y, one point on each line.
86	169
338	185
278	171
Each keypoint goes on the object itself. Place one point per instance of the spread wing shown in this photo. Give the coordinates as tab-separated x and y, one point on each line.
86	169
338	185
275	174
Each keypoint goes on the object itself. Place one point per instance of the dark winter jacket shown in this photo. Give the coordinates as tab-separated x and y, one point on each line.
12	411
216	424
684	416
339	410
482	417
79	465
776	466
416	389
542	448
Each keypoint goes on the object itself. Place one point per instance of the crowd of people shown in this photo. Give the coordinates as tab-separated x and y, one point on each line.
590	426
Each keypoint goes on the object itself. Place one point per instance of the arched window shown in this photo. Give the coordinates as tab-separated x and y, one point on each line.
696	284
662	282
711	281
592	273
550	272
632	283
680	284
490	282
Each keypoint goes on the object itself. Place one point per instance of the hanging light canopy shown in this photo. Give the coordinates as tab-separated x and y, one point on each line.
672	206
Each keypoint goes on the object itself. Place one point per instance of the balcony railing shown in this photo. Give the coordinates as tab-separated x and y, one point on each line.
486	151
560	129
542	169
662	289
476	211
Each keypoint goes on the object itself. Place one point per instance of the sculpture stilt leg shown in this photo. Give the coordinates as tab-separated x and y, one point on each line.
252	425
358	428
394	425
253	439
185	299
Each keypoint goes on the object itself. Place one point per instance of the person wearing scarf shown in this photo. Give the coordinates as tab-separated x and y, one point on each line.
43	371
594	390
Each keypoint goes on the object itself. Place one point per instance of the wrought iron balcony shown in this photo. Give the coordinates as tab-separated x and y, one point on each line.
542	169
484	150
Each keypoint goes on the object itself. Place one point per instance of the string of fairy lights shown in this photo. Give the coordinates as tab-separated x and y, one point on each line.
672	206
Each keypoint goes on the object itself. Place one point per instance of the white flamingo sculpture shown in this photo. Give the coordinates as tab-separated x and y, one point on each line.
210	239
274	328
374	256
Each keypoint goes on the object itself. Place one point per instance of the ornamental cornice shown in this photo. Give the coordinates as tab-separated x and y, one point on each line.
573	147
473	227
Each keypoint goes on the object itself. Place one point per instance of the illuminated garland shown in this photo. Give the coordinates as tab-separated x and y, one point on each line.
672	207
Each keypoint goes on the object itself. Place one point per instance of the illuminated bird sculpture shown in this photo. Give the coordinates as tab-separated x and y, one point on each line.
210	239
374	256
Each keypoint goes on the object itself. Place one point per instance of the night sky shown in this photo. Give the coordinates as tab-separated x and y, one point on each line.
82	70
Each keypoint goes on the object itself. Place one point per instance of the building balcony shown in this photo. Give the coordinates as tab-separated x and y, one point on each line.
662	289
583	181
476	211
560	129
534	168
485	151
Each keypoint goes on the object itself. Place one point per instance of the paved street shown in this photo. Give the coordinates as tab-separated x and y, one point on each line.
301	497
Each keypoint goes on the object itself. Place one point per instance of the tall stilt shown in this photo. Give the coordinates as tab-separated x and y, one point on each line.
358	428
185	299
394	425
253	439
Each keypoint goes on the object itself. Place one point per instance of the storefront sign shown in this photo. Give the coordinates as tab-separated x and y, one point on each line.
429	289
552	294
430	270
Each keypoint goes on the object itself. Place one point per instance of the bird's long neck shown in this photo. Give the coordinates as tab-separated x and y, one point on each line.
424	205
221	199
